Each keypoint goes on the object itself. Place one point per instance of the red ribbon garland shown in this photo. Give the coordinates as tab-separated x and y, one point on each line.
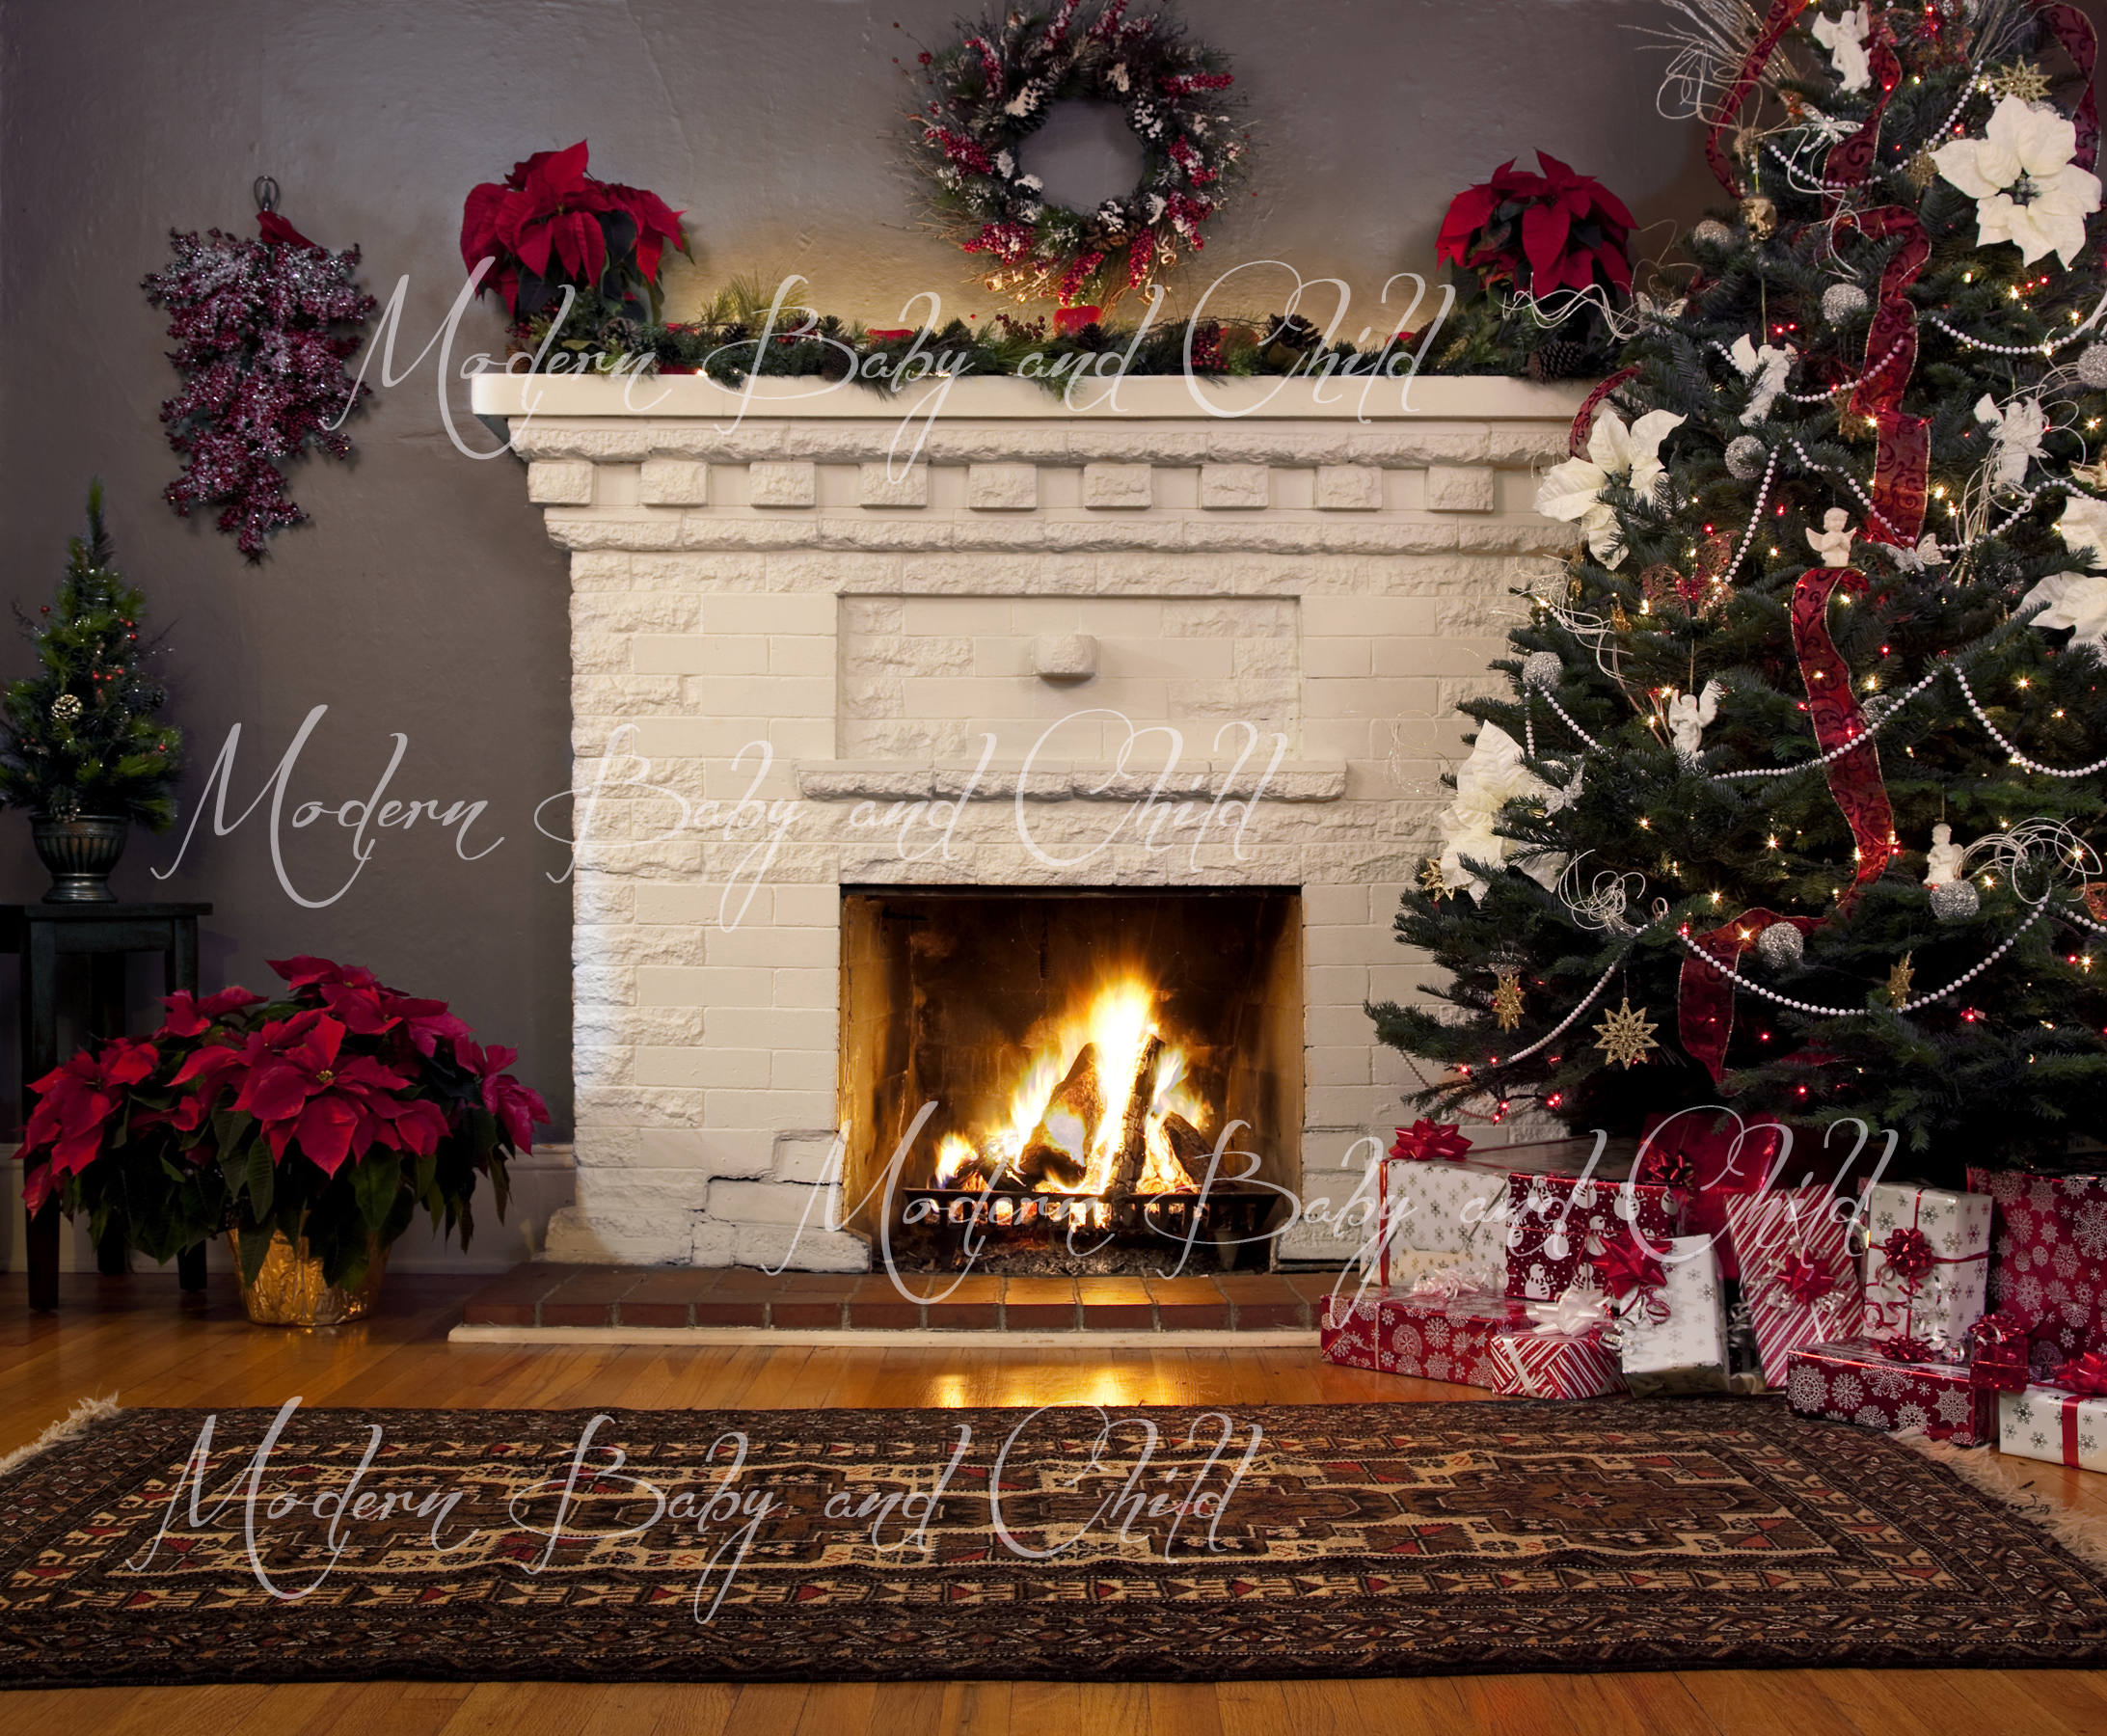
2074	30
1774	27
1854	778
1704	1009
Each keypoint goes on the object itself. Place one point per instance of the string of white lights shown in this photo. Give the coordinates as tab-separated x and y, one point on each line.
2019	759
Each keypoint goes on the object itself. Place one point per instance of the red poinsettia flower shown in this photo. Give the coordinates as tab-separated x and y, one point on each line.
303	1090
548	216
190	1016
518	1107
74	1104
307	971
1565	228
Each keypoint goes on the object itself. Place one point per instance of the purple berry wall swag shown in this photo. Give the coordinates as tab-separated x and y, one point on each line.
262	329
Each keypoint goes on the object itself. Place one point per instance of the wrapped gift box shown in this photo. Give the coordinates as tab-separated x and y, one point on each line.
2048	1258
1558	1225
1798	1275
1433	1339
1554	1365
1458	1206
2046	1422
1854	1382
1485	1270
1928	1268
1673	1337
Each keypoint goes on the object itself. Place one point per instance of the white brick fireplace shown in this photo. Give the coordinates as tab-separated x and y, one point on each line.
1336	575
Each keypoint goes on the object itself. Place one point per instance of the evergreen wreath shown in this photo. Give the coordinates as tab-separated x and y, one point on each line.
991	91
262	329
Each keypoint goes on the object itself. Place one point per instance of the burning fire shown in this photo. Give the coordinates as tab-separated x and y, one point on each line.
1104	1084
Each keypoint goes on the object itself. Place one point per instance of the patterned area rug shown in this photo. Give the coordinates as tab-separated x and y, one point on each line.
167	1546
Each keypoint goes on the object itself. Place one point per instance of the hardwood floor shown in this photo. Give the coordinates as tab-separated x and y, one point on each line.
135	1339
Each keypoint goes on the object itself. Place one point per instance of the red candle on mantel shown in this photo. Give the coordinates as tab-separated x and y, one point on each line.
886	334
1067	321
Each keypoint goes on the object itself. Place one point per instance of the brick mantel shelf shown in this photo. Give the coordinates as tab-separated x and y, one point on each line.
1329	566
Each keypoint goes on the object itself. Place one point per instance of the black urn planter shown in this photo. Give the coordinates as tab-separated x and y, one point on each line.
80	854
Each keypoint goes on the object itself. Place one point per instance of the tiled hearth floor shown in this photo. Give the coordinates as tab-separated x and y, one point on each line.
536	1296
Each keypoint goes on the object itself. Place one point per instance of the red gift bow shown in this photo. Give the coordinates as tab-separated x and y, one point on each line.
1910	1254
2085	1374
1625	1268
1430	1142
1805	1279
1998	1353
1907	1350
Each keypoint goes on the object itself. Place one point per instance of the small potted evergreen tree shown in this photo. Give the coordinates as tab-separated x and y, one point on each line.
80	745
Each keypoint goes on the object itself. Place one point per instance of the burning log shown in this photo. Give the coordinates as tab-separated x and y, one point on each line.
1189	1146
1058	1151
1127	1170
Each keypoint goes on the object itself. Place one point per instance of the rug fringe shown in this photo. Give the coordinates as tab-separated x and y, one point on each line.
2000	1476
80	1420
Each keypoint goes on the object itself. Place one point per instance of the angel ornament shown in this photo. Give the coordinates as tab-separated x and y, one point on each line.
1765	369
1942	862
1688	717
1832	542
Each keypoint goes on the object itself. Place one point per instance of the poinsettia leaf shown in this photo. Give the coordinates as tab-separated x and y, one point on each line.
1544	231
500	1183
262	1181
375	1181
256	1247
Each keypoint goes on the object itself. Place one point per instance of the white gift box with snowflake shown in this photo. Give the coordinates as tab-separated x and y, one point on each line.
1673	1339
2046	1422
1928	1265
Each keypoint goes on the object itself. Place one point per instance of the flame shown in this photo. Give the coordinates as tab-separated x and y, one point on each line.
1119	1019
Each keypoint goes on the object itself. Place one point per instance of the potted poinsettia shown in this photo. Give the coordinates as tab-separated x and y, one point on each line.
313	1127
549	227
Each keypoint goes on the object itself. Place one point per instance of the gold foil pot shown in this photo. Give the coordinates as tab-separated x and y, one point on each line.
289	1289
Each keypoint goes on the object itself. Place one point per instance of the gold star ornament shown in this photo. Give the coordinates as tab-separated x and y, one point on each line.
1507	997
2022	79
1900	981
1624	1036
1920	170
1431	881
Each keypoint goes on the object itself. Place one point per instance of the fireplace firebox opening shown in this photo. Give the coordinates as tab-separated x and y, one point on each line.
1112	1078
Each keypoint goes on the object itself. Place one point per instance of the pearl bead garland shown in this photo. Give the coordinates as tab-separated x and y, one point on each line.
2017	758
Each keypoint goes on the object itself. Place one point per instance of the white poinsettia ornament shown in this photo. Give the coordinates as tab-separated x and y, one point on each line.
1573	491
2074	600
1493	776
2026	188
2083	527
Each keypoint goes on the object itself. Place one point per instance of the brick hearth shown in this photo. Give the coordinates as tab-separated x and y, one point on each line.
547	1295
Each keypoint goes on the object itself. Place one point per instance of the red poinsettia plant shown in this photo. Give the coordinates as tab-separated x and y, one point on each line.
331	1114
1539	233
548	225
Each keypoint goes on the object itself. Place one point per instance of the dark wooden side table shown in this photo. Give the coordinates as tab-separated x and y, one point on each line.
43	935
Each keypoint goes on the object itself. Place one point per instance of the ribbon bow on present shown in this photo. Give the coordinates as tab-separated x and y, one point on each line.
1430	1142
2085	1374
1999	1347
1573	1314
1805	1279
1910	1254
1904	1350
1628	1272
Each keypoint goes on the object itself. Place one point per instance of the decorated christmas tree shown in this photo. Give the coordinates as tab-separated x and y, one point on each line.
1795	802
80	736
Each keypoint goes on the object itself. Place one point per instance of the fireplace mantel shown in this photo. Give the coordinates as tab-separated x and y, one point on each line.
872	593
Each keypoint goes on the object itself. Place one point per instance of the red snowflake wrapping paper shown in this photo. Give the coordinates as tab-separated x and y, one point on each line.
2049	1259
1798	1274
1420	1336
1556	1365
1558	1225
1852	1382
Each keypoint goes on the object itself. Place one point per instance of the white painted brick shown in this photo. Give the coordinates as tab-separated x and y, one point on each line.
775	483
704	986
713	1243
699	654
777	612
1349	488
672	482
1243	487
560	484
775	1246
1002	487
738	1069
1119	487
807	1157
881	485
1459	488
788	1202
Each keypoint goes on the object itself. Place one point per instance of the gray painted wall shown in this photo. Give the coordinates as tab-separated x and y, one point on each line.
424	599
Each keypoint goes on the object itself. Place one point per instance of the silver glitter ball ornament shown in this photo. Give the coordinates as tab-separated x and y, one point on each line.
2092	366
1842	303
1711	232
1542	669
1782	946
1956	900
1745	457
